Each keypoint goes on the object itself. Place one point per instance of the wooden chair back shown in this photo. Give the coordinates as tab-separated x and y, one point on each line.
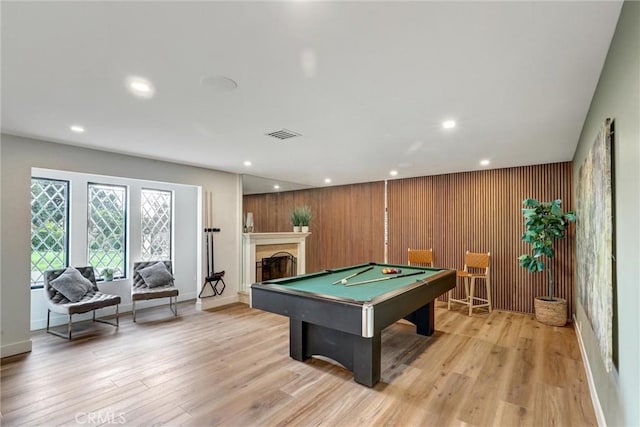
420	257
477	261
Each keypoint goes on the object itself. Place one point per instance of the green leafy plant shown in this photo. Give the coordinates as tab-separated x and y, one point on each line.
107	273
305	215
544	224
295	217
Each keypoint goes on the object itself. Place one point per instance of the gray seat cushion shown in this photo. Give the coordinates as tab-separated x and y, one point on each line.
157	292
91	301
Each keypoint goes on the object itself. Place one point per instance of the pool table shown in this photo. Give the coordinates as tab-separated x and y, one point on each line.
344	321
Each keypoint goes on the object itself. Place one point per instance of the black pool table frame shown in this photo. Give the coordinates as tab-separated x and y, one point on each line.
349	331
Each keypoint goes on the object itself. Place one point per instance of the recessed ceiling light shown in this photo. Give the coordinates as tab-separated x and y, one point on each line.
77	128
484	162
449	124
393	173
140	87
327	180
276	187
247	163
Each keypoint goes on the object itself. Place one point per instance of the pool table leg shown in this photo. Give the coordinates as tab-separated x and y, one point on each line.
424	319
367	359
297	340
360	355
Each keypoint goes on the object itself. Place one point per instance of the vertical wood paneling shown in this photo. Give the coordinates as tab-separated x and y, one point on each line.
478	211
347	226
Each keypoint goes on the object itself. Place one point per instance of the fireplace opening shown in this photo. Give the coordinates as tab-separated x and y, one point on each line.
277	266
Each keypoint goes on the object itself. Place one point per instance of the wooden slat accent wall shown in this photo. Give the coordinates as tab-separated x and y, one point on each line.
480	211
347	226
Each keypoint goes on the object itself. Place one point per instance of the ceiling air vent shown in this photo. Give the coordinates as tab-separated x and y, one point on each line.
282	134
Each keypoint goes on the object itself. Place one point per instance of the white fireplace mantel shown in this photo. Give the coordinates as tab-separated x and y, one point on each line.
250	241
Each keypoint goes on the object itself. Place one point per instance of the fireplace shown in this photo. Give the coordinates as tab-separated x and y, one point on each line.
256	246
278	265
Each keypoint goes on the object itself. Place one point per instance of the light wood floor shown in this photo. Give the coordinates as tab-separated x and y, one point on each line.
231	367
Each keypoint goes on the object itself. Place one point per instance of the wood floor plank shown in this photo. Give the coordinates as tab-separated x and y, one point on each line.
550	406
480	404
522	377
231	367
449	395
509	414
510	330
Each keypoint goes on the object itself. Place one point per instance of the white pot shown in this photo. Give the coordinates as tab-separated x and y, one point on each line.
305	228
296	228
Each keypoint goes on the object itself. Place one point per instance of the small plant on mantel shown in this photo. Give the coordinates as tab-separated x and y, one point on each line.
295	219
544	224
305	215
301	217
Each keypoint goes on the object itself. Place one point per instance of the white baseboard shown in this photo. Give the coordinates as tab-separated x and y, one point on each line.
15	348
244	298
213	302
602	422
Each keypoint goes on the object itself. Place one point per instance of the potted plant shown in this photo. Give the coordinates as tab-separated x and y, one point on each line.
544	224
295	219
107	274
300	218
305	218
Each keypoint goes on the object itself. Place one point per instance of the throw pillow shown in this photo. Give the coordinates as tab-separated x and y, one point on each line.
156	275
72	284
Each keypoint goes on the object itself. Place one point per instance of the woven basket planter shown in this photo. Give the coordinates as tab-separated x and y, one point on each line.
552	313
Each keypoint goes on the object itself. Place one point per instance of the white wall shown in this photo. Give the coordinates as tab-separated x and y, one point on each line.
1	238
618	96
185	240
17	158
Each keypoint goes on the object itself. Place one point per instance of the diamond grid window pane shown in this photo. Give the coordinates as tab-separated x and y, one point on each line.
49	225
156	225
106	228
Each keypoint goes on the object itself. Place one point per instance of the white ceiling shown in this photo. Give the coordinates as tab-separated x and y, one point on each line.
367	84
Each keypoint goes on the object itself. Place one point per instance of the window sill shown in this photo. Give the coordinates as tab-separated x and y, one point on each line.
114	280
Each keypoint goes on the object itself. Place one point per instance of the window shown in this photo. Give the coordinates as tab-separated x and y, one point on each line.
107	228
49	225
156	224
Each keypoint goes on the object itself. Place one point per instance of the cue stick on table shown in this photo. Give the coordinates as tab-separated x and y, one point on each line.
384	278
353	275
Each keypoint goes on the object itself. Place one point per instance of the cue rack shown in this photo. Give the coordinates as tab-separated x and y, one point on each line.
214	277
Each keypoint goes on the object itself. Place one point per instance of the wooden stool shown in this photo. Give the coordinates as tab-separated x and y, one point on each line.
479	262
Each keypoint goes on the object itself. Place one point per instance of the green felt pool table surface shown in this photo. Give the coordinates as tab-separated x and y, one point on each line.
322	283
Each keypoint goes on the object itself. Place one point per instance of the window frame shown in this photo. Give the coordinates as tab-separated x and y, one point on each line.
171	220
67	225
125	213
